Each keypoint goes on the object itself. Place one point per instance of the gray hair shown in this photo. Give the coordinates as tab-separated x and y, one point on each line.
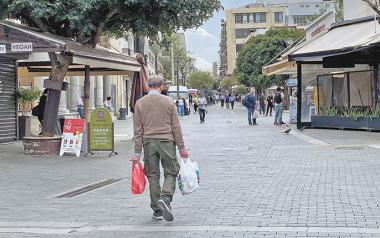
155	81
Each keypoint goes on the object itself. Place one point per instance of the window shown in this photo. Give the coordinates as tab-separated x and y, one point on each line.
238	18
260	17
245	18
302	6
300	20
317	6
278	16
239	47
307	5
251	17
243	33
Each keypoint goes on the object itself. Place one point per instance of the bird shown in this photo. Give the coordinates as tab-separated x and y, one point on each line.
286	132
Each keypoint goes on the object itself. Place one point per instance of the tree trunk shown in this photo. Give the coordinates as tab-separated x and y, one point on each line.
59	66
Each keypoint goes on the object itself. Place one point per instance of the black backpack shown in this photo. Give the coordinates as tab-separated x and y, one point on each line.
277	97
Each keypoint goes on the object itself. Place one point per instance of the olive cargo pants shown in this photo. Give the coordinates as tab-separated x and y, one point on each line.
156	150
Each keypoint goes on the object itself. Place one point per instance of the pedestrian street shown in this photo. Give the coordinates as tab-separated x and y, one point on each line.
255	182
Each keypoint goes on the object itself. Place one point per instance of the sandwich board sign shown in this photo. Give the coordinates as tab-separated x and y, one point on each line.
101	131
72	136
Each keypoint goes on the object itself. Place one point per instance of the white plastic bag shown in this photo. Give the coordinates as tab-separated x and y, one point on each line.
188	177
255	114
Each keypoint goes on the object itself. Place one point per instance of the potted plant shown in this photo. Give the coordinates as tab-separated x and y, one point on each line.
26	97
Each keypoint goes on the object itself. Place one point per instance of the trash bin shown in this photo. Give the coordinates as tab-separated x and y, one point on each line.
122	114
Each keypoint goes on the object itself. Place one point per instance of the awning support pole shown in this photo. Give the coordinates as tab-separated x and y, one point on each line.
299	95
86	90
376	82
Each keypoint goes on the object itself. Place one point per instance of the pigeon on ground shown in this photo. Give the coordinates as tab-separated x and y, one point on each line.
286	132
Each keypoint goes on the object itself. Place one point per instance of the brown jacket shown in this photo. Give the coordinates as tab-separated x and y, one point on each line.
156	117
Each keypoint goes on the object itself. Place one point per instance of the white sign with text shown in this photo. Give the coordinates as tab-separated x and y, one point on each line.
22	47
3	49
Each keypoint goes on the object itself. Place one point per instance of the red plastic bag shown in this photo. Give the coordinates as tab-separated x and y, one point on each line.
138	179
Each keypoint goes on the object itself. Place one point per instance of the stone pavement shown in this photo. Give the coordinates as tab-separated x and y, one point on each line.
255	182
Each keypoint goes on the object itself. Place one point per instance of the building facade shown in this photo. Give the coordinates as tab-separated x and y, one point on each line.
354	9
250	20
241	22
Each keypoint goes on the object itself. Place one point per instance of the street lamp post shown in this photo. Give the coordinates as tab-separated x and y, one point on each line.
177	62
183	75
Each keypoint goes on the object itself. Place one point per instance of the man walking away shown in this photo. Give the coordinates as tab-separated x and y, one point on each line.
202	103
157	129
262	104
222	100
278	106
251	105
228	101
269	104
232	101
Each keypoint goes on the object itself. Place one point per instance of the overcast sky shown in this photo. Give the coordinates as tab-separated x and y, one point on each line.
203	43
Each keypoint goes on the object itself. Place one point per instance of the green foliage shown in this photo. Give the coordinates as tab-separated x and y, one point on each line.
354	112
27	96
241	90
86	20
228	82
258	52
179	53
200	80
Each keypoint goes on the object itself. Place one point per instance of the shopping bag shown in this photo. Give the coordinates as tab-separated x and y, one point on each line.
255	114
138	179
188	177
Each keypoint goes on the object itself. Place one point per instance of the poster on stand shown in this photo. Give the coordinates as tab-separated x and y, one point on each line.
292	110
72	136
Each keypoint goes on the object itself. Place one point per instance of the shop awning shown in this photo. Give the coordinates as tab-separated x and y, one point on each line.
342	38
36	45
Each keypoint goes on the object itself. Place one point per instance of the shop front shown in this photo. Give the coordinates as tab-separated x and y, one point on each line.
338	78
24	55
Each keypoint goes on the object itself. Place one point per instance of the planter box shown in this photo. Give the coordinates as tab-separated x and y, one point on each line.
42	145
24	126
339	122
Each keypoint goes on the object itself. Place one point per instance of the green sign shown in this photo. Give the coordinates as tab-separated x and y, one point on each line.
101	131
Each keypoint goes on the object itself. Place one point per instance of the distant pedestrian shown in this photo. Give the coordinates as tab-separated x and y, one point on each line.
232	101
108	104
195	102
191	100
80	107
157	129
251	106
202	102
278	106
222	98
269	104
181	106
39	110
262	104
228	101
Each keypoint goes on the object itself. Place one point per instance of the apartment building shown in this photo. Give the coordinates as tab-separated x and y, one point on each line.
253	19
247	20
298	12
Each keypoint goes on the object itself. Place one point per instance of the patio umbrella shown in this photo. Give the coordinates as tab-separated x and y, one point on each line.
139	83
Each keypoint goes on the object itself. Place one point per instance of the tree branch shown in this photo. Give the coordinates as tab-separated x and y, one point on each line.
99	29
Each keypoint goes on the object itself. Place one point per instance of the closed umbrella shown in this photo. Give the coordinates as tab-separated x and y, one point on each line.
139	83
